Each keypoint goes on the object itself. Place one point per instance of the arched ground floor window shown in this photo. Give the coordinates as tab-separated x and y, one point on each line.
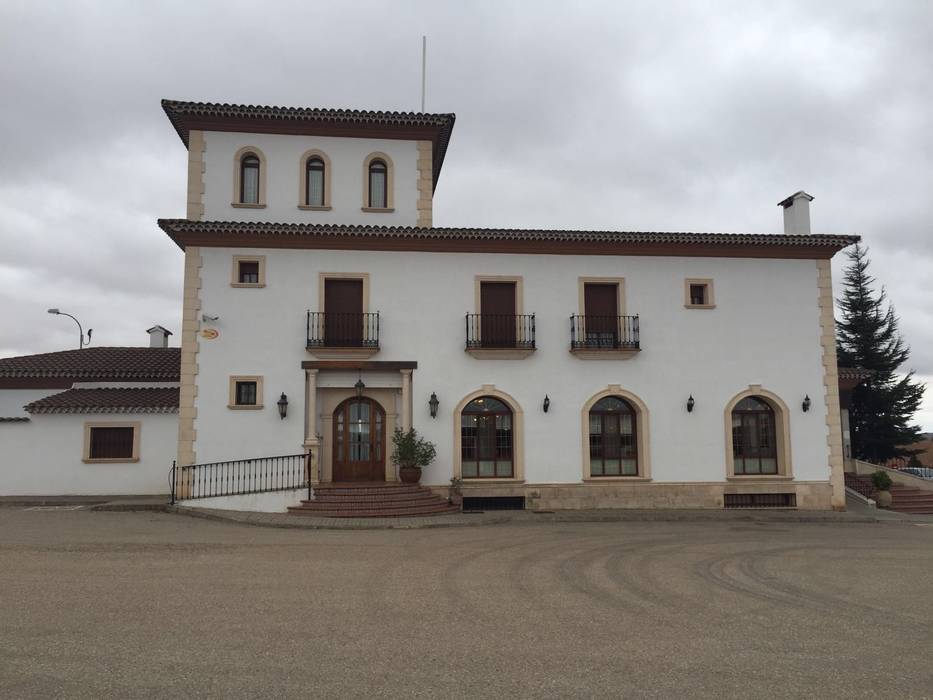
488	440
615	436
757	435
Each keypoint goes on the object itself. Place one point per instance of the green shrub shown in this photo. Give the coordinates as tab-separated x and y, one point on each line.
881	480
409	450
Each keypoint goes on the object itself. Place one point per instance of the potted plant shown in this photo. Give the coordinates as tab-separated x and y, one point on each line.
456	491
882	483
410	453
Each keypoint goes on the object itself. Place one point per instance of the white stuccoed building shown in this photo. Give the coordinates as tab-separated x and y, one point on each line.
569	369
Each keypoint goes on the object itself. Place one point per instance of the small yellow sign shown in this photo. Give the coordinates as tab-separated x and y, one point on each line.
210	333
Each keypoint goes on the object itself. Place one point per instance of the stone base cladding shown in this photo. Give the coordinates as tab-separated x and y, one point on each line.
616	494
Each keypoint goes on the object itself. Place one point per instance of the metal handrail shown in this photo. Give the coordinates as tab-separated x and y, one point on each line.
239	477
500	331
594	332
329	329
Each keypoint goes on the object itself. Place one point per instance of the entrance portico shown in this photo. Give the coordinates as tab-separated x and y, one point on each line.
341	451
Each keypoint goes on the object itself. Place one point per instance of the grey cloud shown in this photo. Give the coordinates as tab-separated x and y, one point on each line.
642	115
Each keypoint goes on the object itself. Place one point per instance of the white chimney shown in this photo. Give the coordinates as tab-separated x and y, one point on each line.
158	337
797	213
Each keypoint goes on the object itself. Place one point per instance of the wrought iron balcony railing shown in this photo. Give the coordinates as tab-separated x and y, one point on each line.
604	333
328	329
500	331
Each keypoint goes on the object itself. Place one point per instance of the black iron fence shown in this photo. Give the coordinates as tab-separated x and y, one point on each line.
604	333
500	331
240	476
327	329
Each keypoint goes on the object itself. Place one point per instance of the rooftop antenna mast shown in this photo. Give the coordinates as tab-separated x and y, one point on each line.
424	63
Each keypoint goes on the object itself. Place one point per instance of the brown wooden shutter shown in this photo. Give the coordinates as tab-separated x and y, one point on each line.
497	306
601	308
343	309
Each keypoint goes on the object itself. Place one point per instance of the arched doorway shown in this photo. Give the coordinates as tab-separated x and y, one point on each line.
359	447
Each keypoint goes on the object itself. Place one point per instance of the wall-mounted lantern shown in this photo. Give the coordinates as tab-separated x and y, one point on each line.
806	403
359	386
433	403
282	403
690	404
547	403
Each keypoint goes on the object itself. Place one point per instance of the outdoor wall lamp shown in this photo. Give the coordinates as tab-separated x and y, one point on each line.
433	403
81	342
547	403
282	403
359	386
690	404
806	403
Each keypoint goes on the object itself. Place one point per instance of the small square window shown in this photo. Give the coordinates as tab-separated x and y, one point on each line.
698	294
249	272
246	393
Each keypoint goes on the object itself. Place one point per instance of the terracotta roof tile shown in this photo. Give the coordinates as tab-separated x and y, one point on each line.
854	373
97	364
177	228
141	400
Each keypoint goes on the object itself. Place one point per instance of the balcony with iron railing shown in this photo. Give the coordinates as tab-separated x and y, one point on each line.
500	336
334	335
600	337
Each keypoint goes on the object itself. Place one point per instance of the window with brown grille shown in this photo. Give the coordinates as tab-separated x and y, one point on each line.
111	443
249	272
760	500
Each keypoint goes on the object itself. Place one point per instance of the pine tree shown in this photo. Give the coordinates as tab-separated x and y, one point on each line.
867	336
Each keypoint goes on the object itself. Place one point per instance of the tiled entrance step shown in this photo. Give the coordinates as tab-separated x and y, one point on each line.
372	500
903	498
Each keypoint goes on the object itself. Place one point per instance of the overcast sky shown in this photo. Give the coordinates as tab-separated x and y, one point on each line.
694	116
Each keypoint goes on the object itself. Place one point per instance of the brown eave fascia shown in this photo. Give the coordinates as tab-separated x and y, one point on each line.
298	236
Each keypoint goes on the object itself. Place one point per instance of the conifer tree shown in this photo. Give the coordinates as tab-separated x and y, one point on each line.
882	406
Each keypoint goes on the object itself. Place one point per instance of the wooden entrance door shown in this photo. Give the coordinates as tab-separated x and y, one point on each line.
601	307
359	441
497	309
343	313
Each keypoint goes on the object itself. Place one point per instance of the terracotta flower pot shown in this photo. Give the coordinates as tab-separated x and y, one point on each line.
883	499
409	474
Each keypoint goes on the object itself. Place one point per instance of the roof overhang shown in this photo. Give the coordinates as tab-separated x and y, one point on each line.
409	126
234	234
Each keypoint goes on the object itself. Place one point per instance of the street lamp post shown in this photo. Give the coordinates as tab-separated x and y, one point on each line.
81	342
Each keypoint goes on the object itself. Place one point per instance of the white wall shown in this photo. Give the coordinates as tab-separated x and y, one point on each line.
13	400
283	153
43	457
765	330
271	502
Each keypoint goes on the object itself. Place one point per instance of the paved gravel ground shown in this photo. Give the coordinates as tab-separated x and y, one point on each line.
132	605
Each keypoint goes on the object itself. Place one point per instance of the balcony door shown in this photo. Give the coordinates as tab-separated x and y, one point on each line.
497	309
359	441
343	313
601	311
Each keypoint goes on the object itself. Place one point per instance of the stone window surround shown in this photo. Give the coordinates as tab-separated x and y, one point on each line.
303	180
235	272
237	174
518	436
390	184
499	353
710	298
326	353
234	380
782	436
86	454
642	428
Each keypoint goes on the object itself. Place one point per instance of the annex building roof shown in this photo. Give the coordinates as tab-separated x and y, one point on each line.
109	400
